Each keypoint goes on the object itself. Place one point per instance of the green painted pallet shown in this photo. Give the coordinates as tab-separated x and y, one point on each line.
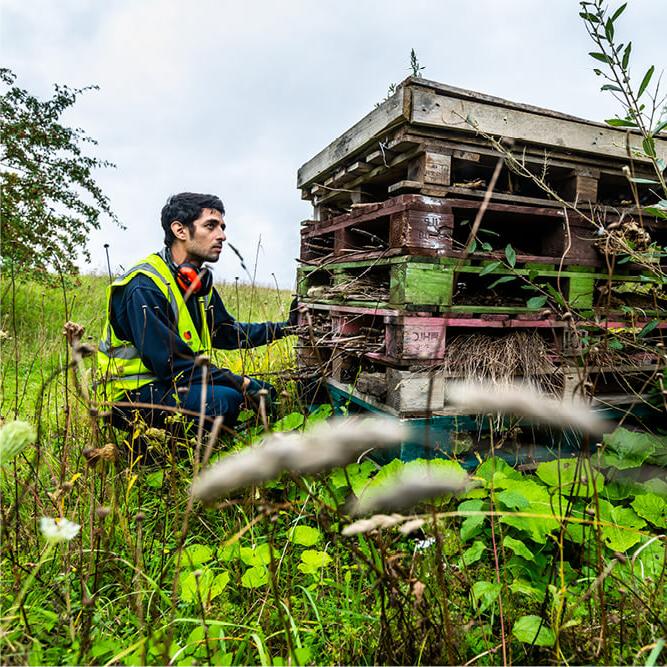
415	281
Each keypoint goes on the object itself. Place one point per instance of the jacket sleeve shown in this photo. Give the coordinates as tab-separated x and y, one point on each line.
145	317
228	334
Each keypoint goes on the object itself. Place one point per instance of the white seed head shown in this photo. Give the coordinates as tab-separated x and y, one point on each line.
327	445
526	401
58	530
373	523
409	487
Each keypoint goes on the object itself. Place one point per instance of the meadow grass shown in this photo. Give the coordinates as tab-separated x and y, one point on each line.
566	565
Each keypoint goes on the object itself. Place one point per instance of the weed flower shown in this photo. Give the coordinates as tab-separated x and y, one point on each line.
327	445
58	530
526	401
14	438
410	487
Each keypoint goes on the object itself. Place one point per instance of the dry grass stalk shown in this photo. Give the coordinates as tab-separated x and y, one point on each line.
410	487
327	445
526	401
499	359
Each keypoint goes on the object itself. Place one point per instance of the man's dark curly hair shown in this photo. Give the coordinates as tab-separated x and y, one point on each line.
186	207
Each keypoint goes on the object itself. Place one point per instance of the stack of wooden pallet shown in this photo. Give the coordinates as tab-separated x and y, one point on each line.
446	219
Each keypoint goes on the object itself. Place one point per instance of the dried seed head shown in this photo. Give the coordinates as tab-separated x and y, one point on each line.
103	511
410	487
327	445
526	401
373	523
139	517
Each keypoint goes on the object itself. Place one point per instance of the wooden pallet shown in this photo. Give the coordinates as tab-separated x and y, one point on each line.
447	285
419	393
425	139
465	437
429	226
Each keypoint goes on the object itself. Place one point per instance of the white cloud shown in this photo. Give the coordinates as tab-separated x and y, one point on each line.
233	97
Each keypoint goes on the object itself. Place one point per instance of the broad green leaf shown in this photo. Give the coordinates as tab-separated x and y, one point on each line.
255	577
536	302
471	525
473	553
304	535
494	465
485	593
572	479
524	588
624	533
489	268
209	585
321	413
512	500
154	479
258	555
518	547
540	504
628	449
510	254
196	554
359	475
652	508
229	552
313	561
289	422
533	630
660	127
645	81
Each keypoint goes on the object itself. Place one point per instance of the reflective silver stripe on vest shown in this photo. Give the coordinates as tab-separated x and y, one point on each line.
126	352
131	378
145	266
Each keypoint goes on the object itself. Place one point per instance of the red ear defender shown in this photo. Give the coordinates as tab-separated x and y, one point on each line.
191	277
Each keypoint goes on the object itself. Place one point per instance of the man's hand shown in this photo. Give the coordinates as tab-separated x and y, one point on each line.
246	383
293	319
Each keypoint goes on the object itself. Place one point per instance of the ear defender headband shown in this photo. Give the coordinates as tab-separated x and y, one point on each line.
194	279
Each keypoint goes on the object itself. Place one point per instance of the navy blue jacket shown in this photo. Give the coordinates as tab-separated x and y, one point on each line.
141	315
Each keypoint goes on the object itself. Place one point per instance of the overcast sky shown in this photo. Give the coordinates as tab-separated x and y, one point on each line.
232	97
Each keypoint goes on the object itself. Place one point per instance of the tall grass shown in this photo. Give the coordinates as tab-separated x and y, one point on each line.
560	567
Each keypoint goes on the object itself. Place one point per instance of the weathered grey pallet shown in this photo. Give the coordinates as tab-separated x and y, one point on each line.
425	139
434	105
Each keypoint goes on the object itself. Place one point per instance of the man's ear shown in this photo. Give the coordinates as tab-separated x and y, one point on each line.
179	230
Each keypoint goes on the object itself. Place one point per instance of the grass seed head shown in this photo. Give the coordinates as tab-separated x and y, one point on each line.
373	523
410	487
327	445
526	400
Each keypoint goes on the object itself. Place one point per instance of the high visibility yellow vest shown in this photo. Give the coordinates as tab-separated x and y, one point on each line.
119	366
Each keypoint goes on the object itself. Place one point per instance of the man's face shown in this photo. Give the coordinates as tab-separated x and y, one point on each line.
204	243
